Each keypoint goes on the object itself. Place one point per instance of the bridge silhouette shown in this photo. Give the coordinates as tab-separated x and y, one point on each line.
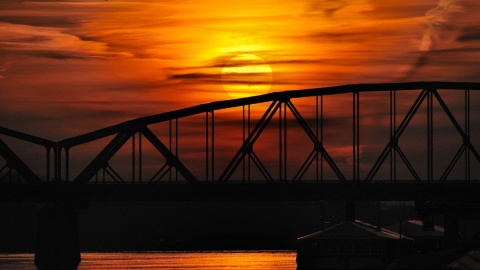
297	145
394	141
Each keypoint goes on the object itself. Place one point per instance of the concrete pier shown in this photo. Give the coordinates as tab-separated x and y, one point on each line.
57	246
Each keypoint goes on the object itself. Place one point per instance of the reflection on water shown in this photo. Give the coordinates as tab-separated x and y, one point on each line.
244	260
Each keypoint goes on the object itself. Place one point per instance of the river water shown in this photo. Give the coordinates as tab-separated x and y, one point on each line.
215	260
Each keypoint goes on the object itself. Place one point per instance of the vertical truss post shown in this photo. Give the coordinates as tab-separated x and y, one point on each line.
393	130
176	147
213	145
430	136
206	146
285	140
356	136
467	133
316	135
282	140
67	164
247	148
321	136
317	148
133	157
209	147
280	150
58	163
170	147
246	173
48	163
466	145
243	141
140	158
393	143
249	158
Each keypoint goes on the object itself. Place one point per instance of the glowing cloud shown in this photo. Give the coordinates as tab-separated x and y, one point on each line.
435	21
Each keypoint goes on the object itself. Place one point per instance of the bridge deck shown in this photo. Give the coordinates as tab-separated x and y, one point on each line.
459	192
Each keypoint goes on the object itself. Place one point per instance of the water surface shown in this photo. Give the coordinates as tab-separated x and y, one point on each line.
218	260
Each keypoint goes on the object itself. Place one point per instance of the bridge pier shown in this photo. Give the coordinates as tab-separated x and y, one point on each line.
451	229
57	245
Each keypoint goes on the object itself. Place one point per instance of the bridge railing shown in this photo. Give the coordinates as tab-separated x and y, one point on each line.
394	132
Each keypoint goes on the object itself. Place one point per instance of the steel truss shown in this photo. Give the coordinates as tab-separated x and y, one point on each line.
281	105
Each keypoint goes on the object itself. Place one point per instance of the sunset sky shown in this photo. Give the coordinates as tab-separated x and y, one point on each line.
71	67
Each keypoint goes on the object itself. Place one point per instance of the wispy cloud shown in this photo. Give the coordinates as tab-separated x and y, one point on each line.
51	43
436	20
448	39
37	20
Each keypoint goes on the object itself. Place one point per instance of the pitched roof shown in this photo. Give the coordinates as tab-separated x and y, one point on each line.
351	230
413	228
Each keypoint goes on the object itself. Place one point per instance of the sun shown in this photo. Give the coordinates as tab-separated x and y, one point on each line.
246	75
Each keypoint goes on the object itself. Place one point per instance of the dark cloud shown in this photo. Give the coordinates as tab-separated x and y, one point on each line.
250	83
194	76
335	35
52	43
398	9
327	8
43	21
58	55
221	63
86	38
469	34
238	78
136	87
32	39
421	61
457	50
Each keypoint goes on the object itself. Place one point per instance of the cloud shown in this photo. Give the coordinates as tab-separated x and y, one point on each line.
43	21
421	61
58	55
469	34
388	10
436	65
47	42
327	8
336	35
194	76
436	20
449	39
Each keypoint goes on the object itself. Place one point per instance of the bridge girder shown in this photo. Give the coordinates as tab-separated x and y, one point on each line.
279	104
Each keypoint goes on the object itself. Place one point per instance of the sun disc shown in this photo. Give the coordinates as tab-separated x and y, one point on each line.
246	75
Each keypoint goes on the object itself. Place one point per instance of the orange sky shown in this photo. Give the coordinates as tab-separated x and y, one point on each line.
96	63
70	67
